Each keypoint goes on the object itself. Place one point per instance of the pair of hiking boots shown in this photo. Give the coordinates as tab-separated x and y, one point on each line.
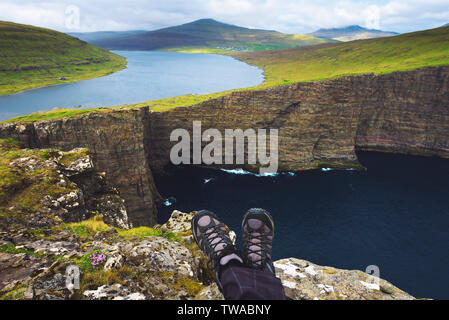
213	239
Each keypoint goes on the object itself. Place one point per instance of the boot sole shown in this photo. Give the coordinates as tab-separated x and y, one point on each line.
264	212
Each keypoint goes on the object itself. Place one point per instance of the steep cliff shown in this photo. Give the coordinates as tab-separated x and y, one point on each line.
118	145
320	123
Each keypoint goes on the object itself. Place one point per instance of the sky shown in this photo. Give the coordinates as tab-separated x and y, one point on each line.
288	16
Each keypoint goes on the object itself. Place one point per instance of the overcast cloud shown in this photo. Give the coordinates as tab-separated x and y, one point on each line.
289	16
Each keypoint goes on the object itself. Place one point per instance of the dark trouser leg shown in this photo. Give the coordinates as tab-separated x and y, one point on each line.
240	283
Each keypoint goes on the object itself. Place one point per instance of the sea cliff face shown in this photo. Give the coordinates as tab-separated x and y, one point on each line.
320	124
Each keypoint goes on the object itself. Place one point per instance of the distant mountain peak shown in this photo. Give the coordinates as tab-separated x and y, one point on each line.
207	21
349	33
354	27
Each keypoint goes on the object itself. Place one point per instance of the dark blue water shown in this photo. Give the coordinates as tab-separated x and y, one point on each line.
149	75
395	215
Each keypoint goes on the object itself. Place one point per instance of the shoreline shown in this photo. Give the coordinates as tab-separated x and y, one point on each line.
58	84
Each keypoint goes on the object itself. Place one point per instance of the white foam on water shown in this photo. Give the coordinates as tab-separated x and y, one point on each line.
169	201
240	171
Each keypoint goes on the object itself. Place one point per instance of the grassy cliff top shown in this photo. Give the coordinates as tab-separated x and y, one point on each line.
33	57
383	55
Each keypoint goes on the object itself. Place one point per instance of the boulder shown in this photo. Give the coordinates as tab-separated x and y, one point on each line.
304	280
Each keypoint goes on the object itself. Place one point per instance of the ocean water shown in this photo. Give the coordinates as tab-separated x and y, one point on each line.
394	215
149	75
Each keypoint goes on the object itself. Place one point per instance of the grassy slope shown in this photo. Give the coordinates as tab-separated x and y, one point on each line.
209	34
33	57
382	55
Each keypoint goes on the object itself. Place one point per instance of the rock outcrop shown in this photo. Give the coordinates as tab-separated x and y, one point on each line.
303	280
118	145
167	265
321	124
40	188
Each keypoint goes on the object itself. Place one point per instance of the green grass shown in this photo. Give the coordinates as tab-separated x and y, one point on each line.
85	262
17	293
142	232
69	157
92	280
10	248
88	228
32	57
139	233
85	229
158	105
53	114
383	55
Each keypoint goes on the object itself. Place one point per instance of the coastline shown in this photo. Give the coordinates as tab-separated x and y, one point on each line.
79	79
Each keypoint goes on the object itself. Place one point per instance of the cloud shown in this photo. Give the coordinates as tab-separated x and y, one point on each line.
290	16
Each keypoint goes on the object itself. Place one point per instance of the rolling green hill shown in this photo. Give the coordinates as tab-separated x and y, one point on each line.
382	55
209	34
32	57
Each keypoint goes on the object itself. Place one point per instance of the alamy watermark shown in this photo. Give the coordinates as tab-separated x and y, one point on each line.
262	147
372	17
72	277
72	17
374	278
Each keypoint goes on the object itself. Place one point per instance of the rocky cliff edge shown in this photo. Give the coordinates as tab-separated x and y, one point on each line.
64	234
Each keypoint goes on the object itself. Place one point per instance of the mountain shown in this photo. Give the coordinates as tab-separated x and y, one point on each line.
208	33
351	33
34	57
101	35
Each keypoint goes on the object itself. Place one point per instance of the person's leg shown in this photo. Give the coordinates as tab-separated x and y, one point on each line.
213	239
242	283
235	280
258	234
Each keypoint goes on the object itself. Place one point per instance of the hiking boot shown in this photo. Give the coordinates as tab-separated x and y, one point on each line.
213	239
257	234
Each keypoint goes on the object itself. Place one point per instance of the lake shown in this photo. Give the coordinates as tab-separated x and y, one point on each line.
149	75
394	215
